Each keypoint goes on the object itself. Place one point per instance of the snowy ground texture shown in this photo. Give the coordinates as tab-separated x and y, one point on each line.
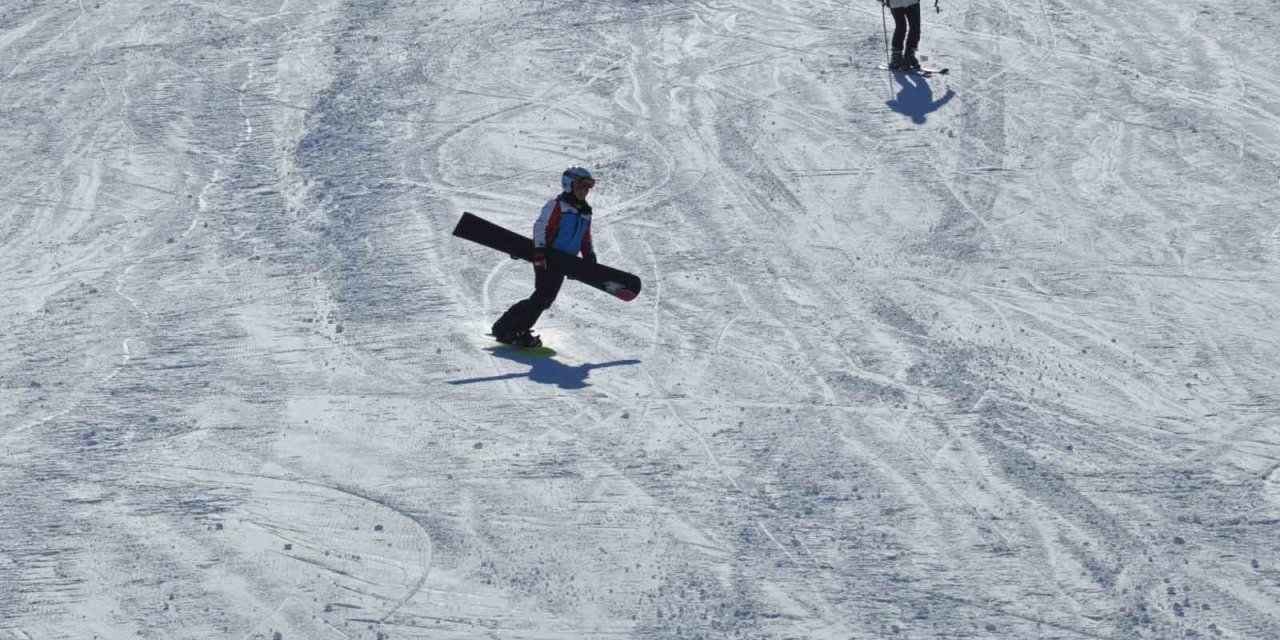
992	355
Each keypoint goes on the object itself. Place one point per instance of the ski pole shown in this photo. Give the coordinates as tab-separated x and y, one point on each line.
884	21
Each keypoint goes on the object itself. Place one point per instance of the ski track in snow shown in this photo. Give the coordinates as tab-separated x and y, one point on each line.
990	354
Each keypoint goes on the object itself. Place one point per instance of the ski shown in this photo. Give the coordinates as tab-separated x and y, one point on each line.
922	71
615	282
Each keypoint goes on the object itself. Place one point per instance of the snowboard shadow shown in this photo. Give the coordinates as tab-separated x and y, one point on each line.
915	98
545	370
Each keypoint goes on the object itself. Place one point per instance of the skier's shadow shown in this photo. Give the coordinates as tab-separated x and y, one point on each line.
915	99
545	370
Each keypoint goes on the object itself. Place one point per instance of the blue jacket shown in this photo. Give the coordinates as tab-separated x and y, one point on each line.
564	226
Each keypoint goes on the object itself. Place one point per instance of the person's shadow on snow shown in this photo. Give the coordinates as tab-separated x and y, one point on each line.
916	98
545	370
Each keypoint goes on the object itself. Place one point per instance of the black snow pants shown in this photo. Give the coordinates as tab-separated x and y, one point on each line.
522	315
902	17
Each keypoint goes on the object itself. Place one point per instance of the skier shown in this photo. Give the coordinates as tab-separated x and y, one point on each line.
564	225
905	13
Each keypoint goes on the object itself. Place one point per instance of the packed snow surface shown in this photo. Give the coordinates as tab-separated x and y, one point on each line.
986	355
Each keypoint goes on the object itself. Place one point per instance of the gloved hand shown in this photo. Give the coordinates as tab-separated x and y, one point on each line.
589	257
539	258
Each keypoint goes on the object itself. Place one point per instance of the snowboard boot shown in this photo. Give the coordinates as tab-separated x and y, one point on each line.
502	331
895	62
909	60
524	339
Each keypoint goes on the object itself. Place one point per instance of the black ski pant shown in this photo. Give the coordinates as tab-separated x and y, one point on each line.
902	17
522	315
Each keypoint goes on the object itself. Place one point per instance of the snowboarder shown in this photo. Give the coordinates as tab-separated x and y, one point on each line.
564	225
906	13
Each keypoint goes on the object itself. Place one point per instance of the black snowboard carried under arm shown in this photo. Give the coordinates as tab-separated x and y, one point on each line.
615	282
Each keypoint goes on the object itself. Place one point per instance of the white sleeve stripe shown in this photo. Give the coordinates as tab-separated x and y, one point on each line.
540	227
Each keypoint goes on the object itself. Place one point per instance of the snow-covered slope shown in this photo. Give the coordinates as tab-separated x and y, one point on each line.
988	355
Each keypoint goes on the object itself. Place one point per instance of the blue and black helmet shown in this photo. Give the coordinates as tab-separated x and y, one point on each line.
573	174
